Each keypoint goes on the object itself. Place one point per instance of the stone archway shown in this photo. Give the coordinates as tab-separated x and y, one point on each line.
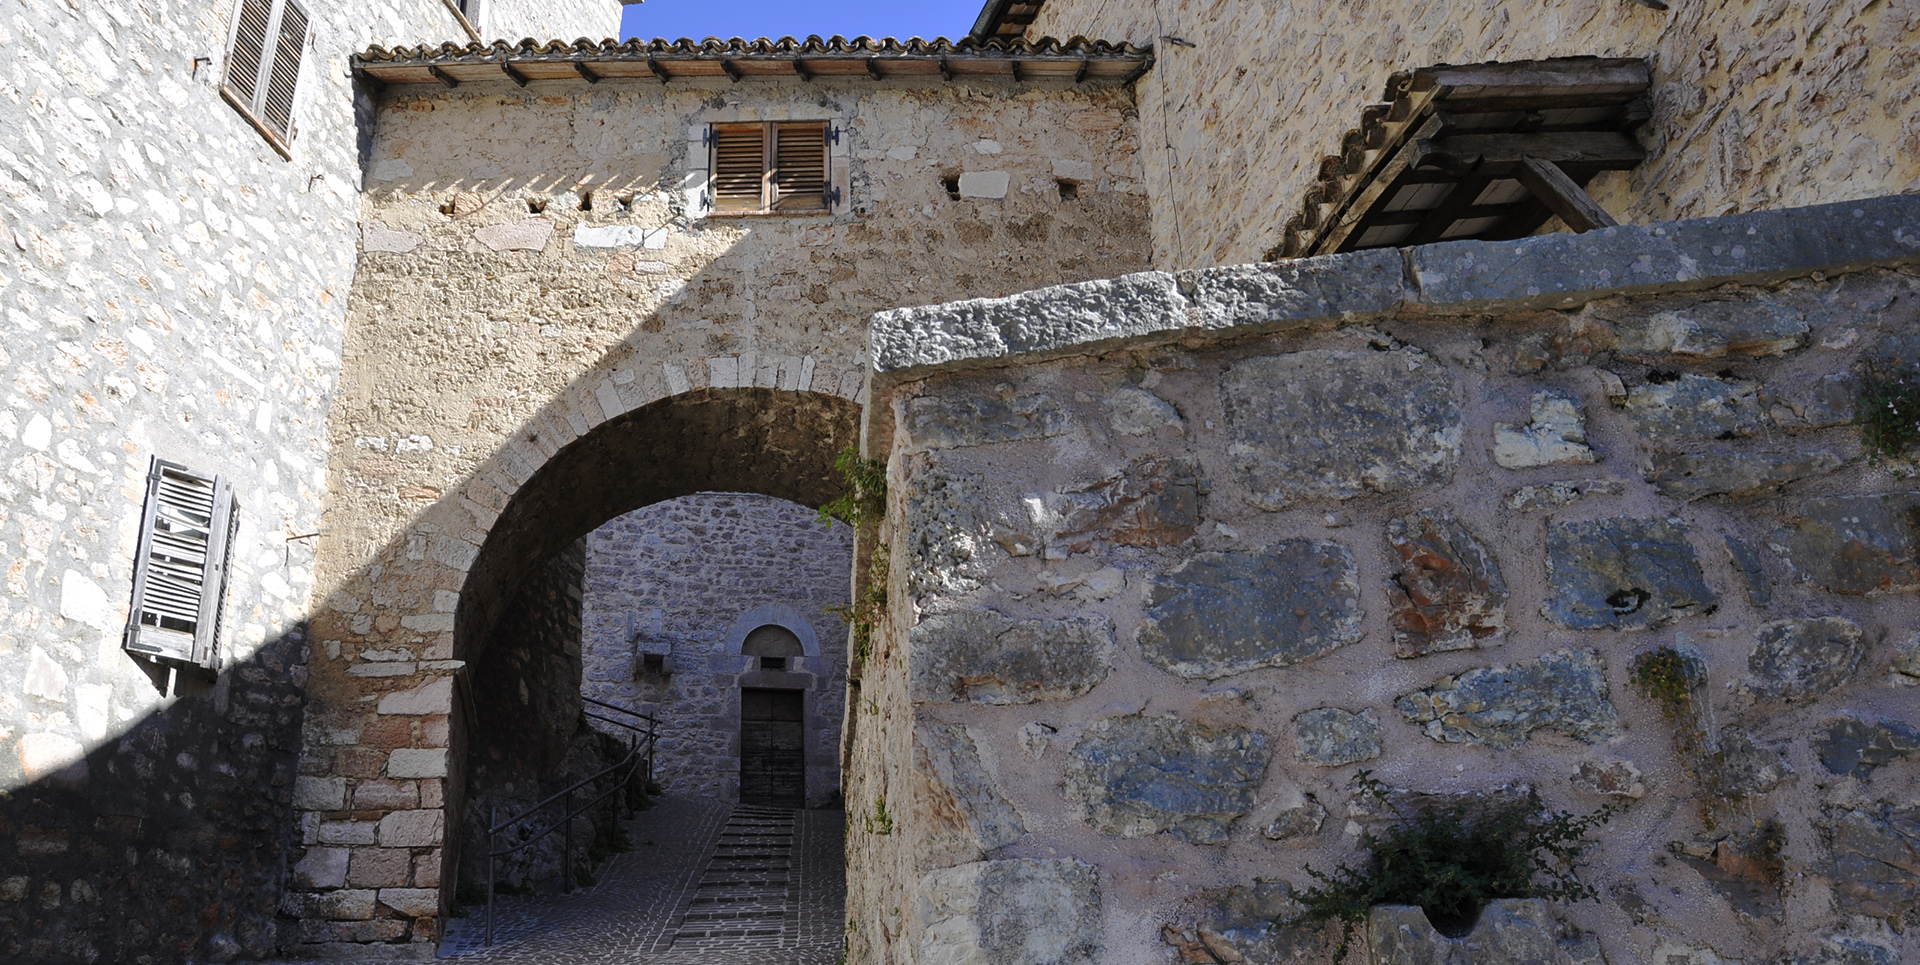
763	441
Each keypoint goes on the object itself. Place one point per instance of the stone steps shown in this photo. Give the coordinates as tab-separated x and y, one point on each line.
745	892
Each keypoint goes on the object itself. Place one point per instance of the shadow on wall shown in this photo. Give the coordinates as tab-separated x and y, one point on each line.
169	842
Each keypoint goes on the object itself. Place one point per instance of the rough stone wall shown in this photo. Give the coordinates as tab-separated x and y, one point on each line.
676	579
486	336
1756	104
170	286
1157	598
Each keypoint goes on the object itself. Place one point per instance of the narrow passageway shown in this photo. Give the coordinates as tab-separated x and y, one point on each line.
705	882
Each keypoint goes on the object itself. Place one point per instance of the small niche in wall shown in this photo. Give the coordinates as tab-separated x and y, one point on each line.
536	205
952	184
773	663
586	200
1069	189
651	665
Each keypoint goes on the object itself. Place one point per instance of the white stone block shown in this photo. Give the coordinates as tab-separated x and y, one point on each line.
417	762
45	678
412	829
984	184
433	697
416	902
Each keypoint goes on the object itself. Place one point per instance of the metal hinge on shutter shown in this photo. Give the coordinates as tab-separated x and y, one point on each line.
180	570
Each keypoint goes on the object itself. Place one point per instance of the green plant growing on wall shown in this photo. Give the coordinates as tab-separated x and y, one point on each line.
864	503
1451	861
1671	680
880	821
1889	414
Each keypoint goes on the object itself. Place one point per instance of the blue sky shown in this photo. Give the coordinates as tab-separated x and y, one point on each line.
774	18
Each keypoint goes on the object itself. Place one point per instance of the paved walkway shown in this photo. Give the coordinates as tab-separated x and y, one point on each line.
705	883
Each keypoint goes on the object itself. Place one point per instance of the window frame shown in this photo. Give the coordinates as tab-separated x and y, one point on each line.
771	202
253	107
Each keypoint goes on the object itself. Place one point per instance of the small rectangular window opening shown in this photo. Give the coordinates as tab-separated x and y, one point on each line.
653	663
764	168
952	184
1069	190
773	663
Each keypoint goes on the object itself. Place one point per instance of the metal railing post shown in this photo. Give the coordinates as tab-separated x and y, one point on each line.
493	813
566	858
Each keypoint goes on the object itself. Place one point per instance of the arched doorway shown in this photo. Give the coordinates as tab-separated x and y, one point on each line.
522	734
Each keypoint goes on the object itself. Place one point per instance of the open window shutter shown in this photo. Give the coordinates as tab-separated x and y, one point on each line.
180	573
800	167
739	167
276	102
249	49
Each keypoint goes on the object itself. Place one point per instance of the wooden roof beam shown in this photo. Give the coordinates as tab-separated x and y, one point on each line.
1561	196
442	76
518	77
586	72
732	69
658	71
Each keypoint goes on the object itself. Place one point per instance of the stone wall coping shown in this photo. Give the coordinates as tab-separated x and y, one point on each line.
1557	271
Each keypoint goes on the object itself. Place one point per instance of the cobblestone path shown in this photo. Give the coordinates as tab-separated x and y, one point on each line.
704	883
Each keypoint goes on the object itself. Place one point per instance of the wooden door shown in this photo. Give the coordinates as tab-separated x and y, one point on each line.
773	747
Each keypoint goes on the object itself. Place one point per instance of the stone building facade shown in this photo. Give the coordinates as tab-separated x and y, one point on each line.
1757	104
483	307
687	582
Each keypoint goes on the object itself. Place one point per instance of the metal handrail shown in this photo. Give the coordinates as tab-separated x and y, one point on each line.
638	738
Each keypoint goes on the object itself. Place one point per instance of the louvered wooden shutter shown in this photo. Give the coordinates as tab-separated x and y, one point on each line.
800	167
249	48
263	68
180	572
739	168
276	105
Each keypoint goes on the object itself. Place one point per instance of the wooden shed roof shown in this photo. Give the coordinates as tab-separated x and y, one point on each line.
1077	60
1488	151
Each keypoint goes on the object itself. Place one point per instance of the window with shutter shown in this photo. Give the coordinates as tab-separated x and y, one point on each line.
180	570
772	167
263	67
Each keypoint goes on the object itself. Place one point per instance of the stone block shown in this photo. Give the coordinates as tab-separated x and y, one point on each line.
1746	767
1283	295
412	829
1137	776
1153	502
528	234
1303	820
1134	411
380	868
1873	860
934	422
1330	736
433	697
987	658
1509	931
1853	544
417	762
1835	401
1716	328
1623	573
1335	424
386	796
1020	911
319	793
1843	950
1065	317
351	938
1753	576
1852	746
1448	594
1564	691
1219	614
1695	407
1692	475
352	904
1556	436
1800	659
1566	270
1237	924
1610	777
985	185
946	545
348	832
321	868
376	236
412	902
957	805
